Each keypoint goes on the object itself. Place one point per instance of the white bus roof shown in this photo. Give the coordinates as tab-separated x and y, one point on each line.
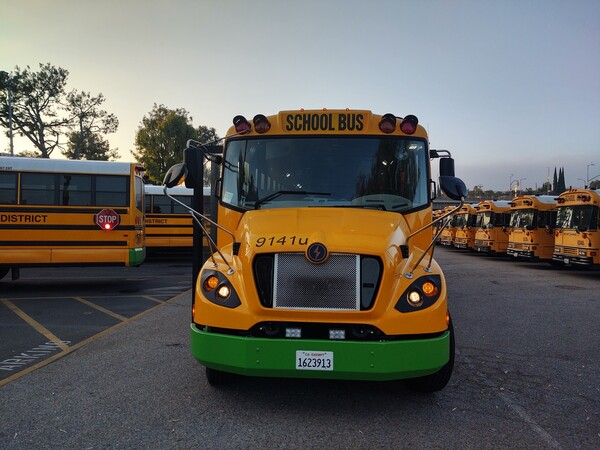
178	190
64	165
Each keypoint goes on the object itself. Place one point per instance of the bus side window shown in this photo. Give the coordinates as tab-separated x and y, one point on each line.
185	199
139	194
8	188
38	188
162	204
112	190
148	204
75	190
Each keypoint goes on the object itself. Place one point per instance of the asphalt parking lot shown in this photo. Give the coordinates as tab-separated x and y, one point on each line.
526	376
49	313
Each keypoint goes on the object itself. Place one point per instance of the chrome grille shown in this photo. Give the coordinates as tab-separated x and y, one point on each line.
333	285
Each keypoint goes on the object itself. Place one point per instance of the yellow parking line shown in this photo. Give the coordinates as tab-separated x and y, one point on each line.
35	324
74	347
101	309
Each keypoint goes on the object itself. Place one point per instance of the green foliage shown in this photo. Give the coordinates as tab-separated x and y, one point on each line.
44	113
89	145
36	106
89	122
162	137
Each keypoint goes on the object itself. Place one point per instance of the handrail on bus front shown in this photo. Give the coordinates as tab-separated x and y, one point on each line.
409	274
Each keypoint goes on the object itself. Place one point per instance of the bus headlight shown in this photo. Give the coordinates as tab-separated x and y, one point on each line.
223	292
217	289
414	298
421	294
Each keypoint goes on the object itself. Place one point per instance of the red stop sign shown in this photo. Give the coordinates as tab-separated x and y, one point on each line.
107	219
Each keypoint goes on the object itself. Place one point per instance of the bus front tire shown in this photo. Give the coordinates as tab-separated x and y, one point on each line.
438	380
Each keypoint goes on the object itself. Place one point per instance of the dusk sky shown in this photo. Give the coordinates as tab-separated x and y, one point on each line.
510	87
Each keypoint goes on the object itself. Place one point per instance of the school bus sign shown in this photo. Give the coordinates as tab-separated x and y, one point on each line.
107	219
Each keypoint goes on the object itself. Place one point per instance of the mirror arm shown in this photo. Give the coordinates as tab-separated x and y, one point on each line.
195	214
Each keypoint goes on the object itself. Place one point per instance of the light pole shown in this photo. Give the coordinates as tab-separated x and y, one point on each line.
587	175
519	183
6	76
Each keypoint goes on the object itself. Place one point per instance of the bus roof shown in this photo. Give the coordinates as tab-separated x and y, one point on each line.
178	190
23	164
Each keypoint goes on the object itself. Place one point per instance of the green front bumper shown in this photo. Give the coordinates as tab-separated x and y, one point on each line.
352	360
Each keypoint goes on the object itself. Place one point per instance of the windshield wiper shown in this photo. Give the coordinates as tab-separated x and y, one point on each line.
270	197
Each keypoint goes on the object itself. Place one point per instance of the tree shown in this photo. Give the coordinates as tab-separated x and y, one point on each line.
162	137
595	184
36	106
89	122
555	190
44	113
561	181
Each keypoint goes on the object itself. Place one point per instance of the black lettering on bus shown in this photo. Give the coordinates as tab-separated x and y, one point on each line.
314	122
359	122
290	122
342	122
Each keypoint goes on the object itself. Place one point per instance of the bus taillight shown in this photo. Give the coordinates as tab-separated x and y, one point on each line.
409	124
261	124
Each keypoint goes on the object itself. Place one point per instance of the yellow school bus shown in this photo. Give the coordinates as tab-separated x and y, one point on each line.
70	213
493	219
323	263
531	230
168	222
576	235
436	213
449	232
465	220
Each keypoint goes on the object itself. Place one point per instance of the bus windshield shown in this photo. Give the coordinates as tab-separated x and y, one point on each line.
461	220
385	173
484	219
522	218
583	217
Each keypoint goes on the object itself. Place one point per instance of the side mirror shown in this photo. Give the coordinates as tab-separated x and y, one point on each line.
453	187
175	175
447	167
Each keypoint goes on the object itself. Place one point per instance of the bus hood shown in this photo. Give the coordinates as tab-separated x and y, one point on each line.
343	230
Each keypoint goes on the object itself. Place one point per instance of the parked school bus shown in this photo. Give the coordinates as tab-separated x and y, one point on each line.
169	223
466	219
436	213
531	230
493	219
323	263
576	235
449	232
69	213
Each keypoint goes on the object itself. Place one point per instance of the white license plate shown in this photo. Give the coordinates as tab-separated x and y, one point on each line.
314	360
566	260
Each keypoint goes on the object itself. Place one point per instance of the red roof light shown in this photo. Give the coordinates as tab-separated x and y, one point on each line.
387	124
241	124
409	124
261	124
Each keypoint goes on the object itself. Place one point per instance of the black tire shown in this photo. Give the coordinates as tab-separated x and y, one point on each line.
218	378
438	380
